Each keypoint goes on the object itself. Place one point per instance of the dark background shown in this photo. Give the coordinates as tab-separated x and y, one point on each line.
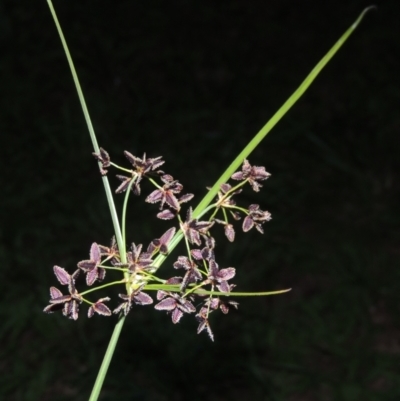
194	81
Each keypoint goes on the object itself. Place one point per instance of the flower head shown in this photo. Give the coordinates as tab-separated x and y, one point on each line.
220	278
192	228
255	218
166	194
144	165
192	272
174	304
252	174
137	296
223	199
99	308
138	260
203	254
69	304
104	159
92	267
161	244
204	324
224	305
140	168
111	252
228	228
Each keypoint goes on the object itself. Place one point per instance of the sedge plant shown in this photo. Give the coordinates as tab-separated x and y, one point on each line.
200	287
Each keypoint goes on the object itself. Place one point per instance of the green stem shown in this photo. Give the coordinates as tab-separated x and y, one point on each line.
120	269
152	277
154	182
106	360
126	170
102	286
225	216
118	235
242	209
197	290
92	134
128	191
242	294
194	289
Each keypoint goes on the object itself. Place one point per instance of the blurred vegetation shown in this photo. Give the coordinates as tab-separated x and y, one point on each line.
193	81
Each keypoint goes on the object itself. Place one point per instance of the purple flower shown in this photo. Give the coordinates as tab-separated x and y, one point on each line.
203	254
161	244
255	218
104	159
138	297
228	228
92	267
144	165
166	214
135	188
217	302
69	304
138	260
99	308
226	200
175	304
220	278
252	174
111	252
192	228
192	272
202	318
141	167
166	194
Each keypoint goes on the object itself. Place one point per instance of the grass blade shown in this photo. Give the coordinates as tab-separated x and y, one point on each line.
278	115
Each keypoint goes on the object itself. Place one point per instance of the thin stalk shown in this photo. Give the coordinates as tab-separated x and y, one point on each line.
89	124
124	209
101	287
118	327
242	294
197	290
106	360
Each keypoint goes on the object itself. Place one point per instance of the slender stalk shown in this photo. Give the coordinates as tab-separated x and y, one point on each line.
102	286
118	327
124	207
242	294
89	124
106	360
197	290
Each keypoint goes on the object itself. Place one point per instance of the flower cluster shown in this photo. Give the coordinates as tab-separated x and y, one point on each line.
202	287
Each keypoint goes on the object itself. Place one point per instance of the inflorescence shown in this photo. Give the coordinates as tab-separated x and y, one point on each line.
201	280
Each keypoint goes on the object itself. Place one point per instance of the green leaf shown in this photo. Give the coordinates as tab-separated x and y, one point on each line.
278	115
